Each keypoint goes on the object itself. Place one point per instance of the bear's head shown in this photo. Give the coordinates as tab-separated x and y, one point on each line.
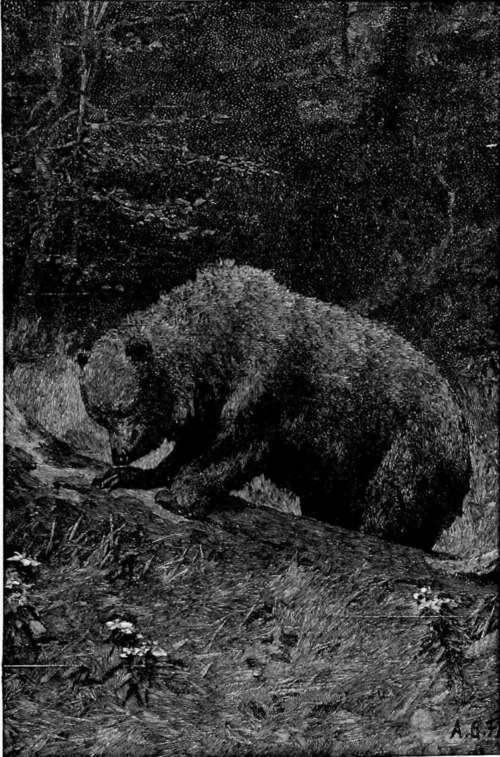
122	392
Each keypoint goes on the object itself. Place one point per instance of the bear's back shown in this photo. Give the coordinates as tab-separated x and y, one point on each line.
232	315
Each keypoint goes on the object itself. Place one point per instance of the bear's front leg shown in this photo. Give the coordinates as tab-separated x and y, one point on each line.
197	489
129	477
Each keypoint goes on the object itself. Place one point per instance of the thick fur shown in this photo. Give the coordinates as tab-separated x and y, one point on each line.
247	377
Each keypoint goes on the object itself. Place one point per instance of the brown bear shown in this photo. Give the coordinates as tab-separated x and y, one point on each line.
247	377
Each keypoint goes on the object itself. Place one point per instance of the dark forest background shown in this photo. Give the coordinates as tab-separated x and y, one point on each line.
349	147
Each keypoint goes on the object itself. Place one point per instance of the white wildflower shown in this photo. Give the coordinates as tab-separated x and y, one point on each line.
125	626
427	600
11	581
159	652
27	562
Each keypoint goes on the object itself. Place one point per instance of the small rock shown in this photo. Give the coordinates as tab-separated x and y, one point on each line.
37	629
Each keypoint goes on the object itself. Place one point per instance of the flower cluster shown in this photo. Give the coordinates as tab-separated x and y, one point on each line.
22	626
122	626
20	570
16	590
145	648
22	560
13	581
429	602
133	645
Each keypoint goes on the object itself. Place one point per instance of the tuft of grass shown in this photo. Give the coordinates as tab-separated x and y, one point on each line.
475	532
261	492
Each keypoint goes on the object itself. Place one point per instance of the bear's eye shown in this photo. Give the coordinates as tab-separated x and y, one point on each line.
138	350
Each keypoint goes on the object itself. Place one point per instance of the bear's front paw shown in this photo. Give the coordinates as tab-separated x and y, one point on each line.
120	478
183	503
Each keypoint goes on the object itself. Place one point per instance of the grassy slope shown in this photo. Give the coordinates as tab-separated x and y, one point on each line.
279	636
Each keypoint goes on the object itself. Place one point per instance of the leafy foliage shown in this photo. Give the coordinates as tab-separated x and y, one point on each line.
348	146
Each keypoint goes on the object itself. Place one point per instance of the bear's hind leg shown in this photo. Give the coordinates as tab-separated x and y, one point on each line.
411	498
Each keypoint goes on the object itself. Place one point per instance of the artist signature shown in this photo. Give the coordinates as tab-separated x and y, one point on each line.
476	729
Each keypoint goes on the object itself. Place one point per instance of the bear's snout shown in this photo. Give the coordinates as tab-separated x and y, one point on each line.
129	442
124	443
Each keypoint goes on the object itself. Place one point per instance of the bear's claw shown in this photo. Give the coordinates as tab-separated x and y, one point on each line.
116	478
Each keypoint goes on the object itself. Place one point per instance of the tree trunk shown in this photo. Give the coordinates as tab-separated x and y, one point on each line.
344	10
392	72
45	180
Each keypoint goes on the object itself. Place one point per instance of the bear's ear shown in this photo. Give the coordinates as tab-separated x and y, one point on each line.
82	358
138	349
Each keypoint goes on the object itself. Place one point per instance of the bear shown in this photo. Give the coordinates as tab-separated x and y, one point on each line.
247	377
